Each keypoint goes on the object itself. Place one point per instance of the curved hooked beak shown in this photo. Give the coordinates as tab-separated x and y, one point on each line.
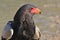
38	11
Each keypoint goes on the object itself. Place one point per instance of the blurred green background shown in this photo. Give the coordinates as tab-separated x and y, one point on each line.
48	21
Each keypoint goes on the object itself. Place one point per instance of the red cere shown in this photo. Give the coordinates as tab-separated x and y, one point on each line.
33	10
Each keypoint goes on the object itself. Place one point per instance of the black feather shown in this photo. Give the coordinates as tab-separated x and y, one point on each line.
23	20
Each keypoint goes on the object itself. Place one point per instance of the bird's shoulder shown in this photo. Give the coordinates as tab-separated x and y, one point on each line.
8	31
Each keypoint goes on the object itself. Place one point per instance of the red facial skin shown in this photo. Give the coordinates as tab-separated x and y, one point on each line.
35	11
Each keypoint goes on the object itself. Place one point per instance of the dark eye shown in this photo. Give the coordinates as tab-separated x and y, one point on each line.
32	8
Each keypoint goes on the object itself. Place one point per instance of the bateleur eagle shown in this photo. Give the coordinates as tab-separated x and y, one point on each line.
23	21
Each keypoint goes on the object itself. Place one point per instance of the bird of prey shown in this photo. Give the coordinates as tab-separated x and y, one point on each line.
23	21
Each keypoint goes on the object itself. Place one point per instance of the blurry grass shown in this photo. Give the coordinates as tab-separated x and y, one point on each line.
48	21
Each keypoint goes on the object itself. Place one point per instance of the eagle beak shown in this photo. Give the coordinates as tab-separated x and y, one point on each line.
38	11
